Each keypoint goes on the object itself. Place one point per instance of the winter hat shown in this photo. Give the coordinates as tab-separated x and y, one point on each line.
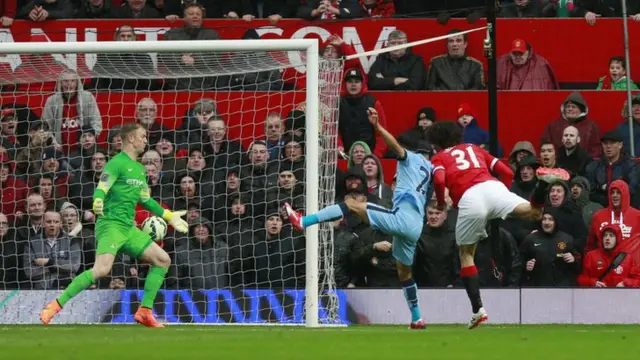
51	153
465	109
428	112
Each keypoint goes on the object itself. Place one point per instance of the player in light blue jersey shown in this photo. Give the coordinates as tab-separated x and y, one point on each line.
404	222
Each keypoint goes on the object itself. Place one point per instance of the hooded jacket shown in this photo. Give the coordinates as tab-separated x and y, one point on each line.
87	108
623	128
524	189
380	190
353	122
588	129
64	261
520	146
550	269
202	266
575	162
627	218
587	206
411	138
385	69
597	261
366	147
569	219
601	175
536	74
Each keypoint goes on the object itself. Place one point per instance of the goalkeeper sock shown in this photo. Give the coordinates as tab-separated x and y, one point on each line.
330	213
410	290
80	283
152	284
469	276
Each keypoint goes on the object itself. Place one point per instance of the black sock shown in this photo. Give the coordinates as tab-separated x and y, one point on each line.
472	285
539	195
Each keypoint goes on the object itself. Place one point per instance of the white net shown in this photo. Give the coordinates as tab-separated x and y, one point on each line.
226	142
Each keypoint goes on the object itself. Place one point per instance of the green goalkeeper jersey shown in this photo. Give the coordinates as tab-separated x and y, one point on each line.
122	185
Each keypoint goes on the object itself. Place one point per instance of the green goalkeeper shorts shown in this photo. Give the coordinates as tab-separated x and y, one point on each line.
115	237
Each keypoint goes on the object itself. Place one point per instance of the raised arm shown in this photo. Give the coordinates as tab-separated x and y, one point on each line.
391	141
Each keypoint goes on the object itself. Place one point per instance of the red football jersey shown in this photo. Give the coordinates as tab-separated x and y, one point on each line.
464	165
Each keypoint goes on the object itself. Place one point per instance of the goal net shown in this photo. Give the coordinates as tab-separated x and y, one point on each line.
235	130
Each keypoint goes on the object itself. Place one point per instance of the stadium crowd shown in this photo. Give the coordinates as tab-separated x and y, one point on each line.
50	164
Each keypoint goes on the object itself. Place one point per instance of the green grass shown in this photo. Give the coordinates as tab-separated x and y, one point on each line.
125	342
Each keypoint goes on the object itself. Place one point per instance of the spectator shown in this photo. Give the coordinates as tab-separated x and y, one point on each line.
53	197
125	71
623	128
344	269
196	164
293	156
273	131
211	9
166	147
414	136
572	156
11	253
549	255
357	153
136	9
353	123
520	150
29	225
51	261
377	8
295	123
220	150
548	155
94	9
560	9
592	9
375	181
8	12
436	250
159	190
147	116
9	128
25	118
54	162
152	157
33	67
524	180
567	215
41	10
29	159
13	191
78	157
72	227
258	176
217	205
498	261
194	126
329	9
273	10
580	190
574	112
613	165
521	9
617	78
472	133
186	191
201	260
290	190
455	70
268	80
114	141
68	109
84	183
399	69
619	212
187	63
596	271
524	69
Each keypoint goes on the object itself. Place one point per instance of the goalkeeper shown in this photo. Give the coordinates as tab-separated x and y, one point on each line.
122	185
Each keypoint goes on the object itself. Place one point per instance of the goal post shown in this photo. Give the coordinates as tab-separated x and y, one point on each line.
320	124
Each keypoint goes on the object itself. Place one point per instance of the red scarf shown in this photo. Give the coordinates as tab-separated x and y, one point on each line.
606	83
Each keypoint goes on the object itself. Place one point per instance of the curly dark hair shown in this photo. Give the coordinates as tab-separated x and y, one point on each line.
444	134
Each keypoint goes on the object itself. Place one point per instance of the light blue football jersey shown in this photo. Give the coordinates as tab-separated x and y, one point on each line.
413	182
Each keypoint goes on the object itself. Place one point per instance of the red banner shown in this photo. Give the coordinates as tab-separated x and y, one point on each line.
578	52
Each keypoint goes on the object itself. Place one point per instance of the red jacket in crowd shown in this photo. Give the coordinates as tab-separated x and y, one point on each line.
627	218
8	8
384	8
14	192
597	262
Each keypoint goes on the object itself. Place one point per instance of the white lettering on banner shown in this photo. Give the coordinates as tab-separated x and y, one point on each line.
351	37
14	59
151	34
90	35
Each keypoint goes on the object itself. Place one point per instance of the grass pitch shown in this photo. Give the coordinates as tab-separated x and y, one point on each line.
123	342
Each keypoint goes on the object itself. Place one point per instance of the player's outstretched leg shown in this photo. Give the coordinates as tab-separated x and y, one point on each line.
330	213
102	267
160	263
469	276
410	290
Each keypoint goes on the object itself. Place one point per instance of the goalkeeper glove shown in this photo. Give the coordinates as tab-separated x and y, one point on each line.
98	204
174	219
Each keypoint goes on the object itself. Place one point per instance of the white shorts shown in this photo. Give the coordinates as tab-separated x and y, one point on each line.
479	204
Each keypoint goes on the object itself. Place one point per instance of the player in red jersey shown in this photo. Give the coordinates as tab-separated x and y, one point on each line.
467	171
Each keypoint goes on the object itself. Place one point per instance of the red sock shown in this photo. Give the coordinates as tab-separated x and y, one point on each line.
468	271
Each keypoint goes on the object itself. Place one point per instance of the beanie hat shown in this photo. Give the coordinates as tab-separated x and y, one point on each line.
465	109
